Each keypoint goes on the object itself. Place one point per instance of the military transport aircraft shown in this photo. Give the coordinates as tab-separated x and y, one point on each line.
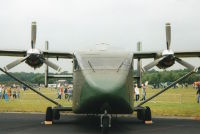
103	80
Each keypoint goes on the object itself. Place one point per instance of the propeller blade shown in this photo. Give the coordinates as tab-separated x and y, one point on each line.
139	65
152	64
168	35
15	63
33	34
52	65
184	63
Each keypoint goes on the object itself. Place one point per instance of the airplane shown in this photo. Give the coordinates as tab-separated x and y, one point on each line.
103	81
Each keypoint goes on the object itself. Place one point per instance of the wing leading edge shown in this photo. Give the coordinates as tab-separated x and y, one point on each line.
47	54
14	53
181	54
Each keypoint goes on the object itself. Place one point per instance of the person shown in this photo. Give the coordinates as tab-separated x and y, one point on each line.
4	92
14	93
65	92
9	92
60	92
1	91
143	92
198	93
137	92
24	87
18	92
6	97
70	90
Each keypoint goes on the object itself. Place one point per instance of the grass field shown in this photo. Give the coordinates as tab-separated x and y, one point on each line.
174	102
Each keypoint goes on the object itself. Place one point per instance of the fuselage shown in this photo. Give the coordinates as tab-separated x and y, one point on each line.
103	81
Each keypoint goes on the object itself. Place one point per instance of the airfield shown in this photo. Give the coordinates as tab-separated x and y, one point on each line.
175	111
174	102
21	123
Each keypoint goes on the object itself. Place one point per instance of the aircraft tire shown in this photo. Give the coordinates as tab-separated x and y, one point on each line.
56	114
147	114
49	114
141	114
144	114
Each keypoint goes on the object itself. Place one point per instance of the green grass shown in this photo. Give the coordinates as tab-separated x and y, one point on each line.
174	102
31	102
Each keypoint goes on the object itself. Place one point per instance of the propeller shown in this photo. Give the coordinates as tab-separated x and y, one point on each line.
34	57
33	34
15	63
152	64
52	65
184	63
168	35
167	59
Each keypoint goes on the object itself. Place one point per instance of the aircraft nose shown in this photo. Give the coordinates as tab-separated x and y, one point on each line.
106	90
106	82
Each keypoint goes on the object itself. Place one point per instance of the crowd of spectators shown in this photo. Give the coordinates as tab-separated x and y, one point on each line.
9	92
65	91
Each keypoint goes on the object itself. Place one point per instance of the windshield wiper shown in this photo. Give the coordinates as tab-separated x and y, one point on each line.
120	66
91	66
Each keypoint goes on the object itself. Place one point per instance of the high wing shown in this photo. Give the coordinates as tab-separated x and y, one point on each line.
14	53
181	54
188	54
50	54
47	54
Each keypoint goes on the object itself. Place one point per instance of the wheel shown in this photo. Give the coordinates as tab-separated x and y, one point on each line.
141	114
105	124
147	114
49	114
144	114
56	114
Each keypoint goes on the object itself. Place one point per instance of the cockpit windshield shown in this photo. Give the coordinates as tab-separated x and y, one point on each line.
104	60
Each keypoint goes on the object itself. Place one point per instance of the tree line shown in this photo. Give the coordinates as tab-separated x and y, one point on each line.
153	77
30	78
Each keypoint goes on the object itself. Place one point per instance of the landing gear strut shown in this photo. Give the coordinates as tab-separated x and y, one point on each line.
105	122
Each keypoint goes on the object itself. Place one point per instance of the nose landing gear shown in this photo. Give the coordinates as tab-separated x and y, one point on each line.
105	122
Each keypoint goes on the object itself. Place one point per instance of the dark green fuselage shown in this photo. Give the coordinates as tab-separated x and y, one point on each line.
96	90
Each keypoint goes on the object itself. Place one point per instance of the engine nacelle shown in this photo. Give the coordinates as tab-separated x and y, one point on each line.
35	60
166	62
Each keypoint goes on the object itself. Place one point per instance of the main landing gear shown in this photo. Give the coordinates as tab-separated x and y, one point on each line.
105	122
51	115
144	114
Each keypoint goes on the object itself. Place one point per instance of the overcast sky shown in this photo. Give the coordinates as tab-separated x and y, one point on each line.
71	25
